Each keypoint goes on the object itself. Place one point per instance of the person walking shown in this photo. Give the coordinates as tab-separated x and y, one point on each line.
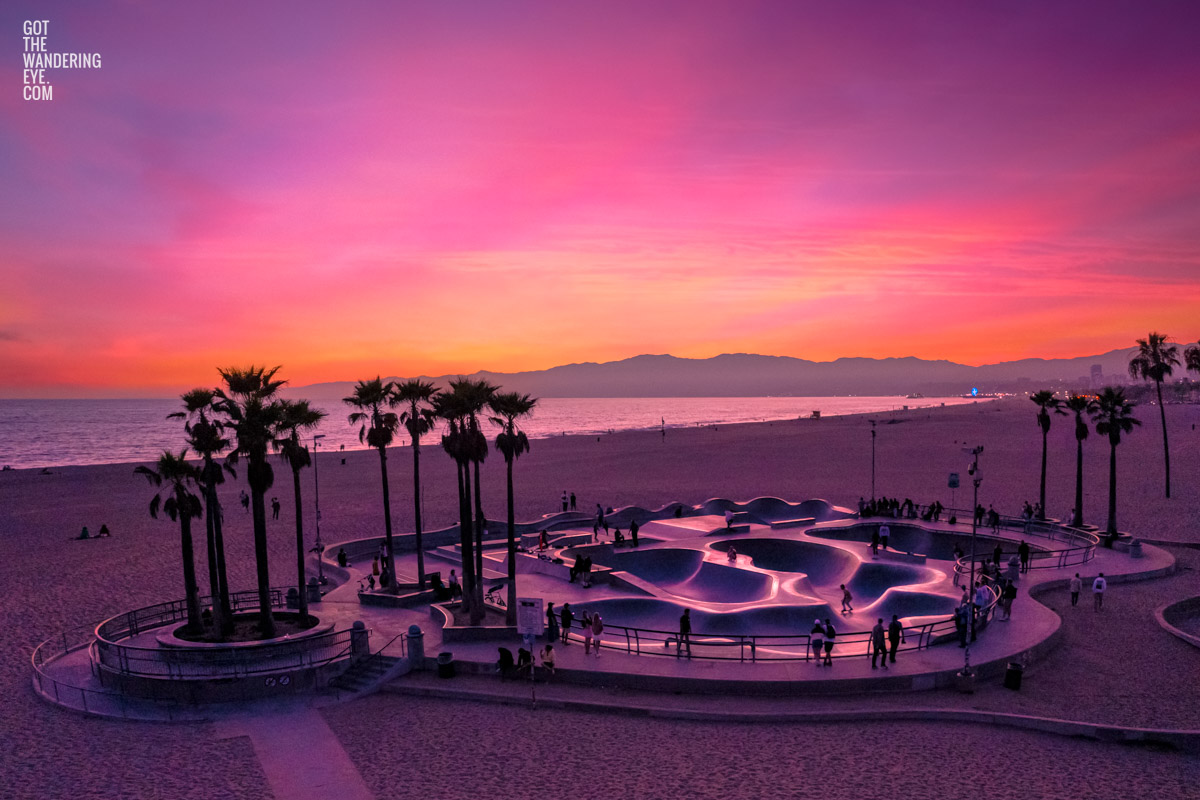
878	646
895	637
830	635
597	632
846	598
685	634
245	501
1098	588
1010	594
817	637
567	617
551	624
1023	552
1076	587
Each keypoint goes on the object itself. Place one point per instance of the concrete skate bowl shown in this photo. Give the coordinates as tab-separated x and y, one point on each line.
872	579
821	563
913	607
684	573
905	537
663	615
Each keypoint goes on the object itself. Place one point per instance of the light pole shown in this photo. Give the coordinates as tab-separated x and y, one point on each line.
976	479
872	461
318	545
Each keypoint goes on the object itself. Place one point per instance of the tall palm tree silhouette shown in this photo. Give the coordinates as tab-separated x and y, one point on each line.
1155	361
297	417
511	442
1081	405
377	428
452	407
173	472
1113	416
418	418
1046	402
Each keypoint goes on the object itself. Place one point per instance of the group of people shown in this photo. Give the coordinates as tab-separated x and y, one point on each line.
990	518
103	533
568	501
591	627
1099	587
525	661
887	507
582	569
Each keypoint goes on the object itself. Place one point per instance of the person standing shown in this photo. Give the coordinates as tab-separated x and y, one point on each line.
895	637
597	632
1098	588
830	635
274	508
884	534
1023	552
572	501
1010	594
586	623
633	531
685	634
846	598
567	618
817	637
245	501
564	500
551	624
1076	587
878	646
875	543
997	554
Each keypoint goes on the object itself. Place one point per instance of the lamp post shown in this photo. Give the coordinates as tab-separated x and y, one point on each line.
872	461
976	479
318	545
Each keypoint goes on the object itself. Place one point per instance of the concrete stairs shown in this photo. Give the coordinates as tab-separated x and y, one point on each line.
368	675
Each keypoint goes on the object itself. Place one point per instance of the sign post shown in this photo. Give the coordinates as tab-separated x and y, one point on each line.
531	622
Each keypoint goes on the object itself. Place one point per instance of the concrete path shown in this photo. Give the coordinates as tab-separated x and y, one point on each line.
300	755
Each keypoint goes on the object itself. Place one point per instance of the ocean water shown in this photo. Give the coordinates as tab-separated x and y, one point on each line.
48	433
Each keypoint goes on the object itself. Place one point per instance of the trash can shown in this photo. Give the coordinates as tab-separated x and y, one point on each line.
445	665
1012	676
1135	549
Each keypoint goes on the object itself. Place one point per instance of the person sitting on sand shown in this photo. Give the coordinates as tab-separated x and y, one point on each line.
104	531
84	533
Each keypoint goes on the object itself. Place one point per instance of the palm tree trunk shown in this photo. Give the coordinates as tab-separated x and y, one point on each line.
266	622
1042	491
475	605
1078	483
1112	489
300	577
191	589
417	511
1166	451
214	584
387	519
510	614
222	573
480	524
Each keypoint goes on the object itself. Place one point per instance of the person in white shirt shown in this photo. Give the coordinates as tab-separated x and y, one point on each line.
1098	587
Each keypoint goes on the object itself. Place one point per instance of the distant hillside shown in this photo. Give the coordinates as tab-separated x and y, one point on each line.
746	375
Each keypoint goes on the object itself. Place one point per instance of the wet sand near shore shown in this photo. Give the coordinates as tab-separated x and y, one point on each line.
51	583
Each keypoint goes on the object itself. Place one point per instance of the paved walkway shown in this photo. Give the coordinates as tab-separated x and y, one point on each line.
300	755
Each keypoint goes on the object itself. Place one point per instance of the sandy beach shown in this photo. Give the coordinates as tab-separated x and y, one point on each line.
51	583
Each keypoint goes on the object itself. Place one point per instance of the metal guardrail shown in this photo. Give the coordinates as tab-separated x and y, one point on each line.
795	647
1082	547
133	623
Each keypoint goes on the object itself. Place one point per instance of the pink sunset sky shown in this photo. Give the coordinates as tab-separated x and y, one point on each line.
402	188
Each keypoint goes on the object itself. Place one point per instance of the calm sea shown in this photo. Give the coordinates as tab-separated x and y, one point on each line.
48	433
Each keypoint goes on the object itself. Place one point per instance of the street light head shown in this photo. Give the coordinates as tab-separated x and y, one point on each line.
318	436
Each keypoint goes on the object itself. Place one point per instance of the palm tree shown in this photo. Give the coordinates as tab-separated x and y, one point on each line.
297	416
418	420
451	407
252	411
511	442
1113	416
207	439
1080	404
174	471
378	429
1046	402
1155	361
1192	357
475	396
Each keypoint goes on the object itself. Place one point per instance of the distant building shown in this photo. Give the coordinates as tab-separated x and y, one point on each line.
1097	376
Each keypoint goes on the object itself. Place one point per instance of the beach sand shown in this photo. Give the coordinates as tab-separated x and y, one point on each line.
51	583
